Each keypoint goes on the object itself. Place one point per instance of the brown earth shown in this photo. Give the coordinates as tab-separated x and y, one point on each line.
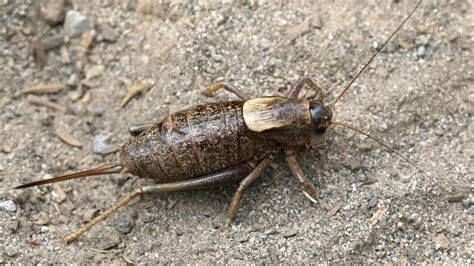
417	96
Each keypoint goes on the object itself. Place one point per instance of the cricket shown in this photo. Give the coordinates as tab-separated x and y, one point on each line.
226	141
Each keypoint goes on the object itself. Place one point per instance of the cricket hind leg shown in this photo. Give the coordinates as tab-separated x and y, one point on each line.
228	175
298	86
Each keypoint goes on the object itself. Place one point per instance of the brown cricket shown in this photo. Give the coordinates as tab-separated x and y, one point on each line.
216	143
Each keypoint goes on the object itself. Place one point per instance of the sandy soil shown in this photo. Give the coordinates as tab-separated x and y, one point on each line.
417	96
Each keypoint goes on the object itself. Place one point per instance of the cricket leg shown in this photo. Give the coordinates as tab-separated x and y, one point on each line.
298	85
231	174
308	187
264	164
212	89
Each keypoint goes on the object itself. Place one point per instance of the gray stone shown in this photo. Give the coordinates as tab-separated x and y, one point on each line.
99	111
44	229
8	206
126	220
99	143
413	217
421	51
50	247
75	23
373	201
11	251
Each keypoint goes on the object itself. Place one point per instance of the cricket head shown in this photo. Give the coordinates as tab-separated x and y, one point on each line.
321	119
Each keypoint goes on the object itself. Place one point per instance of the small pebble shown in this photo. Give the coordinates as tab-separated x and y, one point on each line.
422	40
50	247
111	241
441	241
179	232
421	51
373	202
75	23
14	225
42	219
126	220
369	180
109	149
269	231
99	111
273	255
99	258
404	43
335	209
400	225
11	251
63	219
58	194
352	163
290	233
217	57
455	198
380	254
22	197
467	202
109	33
52	11
72	80
89	214
94	71
8	206
413	217
237	255
75	95
429	252
171	203
257	227
6	148
382	72
99	143
244	238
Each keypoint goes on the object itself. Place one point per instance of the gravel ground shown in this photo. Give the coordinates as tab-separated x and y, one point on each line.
417	96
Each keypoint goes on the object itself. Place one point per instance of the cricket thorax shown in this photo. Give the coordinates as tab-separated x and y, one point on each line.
287	121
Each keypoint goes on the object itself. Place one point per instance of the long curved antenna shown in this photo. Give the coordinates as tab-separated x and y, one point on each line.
384	145
373	56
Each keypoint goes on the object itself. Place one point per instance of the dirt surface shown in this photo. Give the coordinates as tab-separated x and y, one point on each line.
417	96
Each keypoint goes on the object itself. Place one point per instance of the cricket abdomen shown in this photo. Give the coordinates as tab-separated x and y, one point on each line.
194	142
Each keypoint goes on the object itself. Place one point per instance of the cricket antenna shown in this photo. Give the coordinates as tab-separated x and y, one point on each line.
383	145
373	56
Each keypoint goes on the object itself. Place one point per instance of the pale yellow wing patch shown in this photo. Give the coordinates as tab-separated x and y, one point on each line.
266	113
